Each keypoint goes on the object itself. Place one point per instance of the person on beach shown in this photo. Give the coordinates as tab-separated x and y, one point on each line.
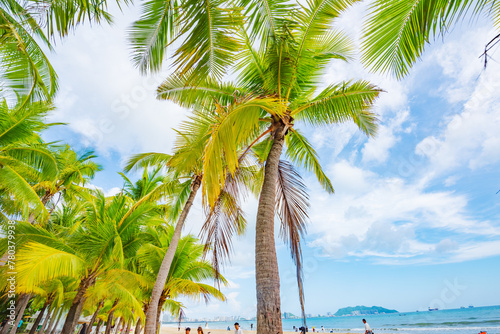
237	329
368	330
200	330
251	326
188	330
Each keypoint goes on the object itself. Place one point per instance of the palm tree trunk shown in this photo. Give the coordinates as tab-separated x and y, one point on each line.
39	318
266	263
109	323
94	316
161	302
110	317
53	330
46	321
118	326
138	327
76	306
127	328
54	317
23	301
151	315
98	327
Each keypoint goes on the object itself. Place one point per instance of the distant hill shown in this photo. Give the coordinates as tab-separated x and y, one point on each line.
363	310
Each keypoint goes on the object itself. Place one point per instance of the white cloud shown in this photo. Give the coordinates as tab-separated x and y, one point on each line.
375	216
377	149
470	138
105	99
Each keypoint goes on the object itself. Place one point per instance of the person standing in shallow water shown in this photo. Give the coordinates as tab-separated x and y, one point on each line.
368	330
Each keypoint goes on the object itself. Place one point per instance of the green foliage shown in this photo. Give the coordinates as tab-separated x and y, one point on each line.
397	31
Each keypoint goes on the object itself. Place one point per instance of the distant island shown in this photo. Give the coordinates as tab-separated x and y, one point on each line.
363	310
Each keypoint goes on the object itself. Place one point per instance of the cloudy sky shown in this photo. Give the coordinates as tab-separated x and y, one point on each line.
414	221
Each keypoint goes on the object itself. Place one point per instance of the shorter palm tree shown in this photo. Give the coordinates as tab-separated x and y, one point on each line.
187	274
24	159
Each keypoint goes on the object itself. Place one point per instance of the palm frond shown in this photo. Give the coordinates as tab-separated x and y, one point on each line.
396	31
340	103
143	160
301	152
292	203
200	96
37	263
208	46
266	17
232	127
151	34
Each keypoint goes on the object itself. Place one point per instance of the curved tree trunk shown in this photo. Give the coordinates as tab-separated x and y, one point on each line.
38	318
266	263
151	315
118	326
53	319
161	302
22	302
138	327
109	322
76	306
127	328
46	321
53	330
94	316
98	327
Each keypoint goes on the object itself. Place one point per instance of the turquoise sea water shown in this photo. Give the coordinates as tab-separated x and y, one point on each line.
459	321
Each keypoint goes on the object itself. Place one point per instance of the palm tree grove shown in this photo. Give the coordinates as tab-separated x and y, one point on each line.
271	98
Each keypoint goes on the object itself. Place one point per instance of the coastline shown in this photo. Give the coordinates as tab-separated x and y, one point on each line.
174	330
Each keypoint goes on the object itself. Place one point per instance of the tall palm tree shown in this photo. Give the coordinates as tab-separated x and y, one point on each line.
285	51
397	31
186	165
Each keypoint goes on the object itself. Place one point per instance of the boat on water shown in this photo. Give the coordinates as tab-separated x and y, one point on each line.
433	309
470	306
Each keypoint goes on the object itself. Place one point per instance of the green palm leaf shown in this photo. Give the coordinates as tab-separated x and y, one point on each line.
301	152
397	30
340	103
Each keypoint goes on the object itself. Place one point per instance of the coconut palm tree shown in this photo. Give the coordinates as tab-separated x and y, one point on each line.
187	272
185	165
286	49
24	159
74	172
106	235
397	31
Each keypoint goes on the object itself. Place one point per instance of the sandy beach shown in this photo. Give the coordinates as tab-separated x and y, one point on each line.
173	330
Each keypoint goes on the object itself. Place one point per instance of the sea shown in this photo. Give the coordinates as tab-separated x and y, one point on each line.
457	321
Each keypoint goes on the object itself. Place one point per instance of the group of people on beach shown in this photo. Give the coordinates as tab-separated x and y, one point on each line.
303	329
238	330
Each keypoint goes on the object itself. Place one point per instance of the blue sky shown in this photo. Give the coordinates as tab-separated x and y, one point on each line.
414	221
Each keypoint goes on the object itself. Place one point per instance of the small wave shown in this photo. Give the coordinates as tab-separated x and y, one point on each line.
452	323
416	329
